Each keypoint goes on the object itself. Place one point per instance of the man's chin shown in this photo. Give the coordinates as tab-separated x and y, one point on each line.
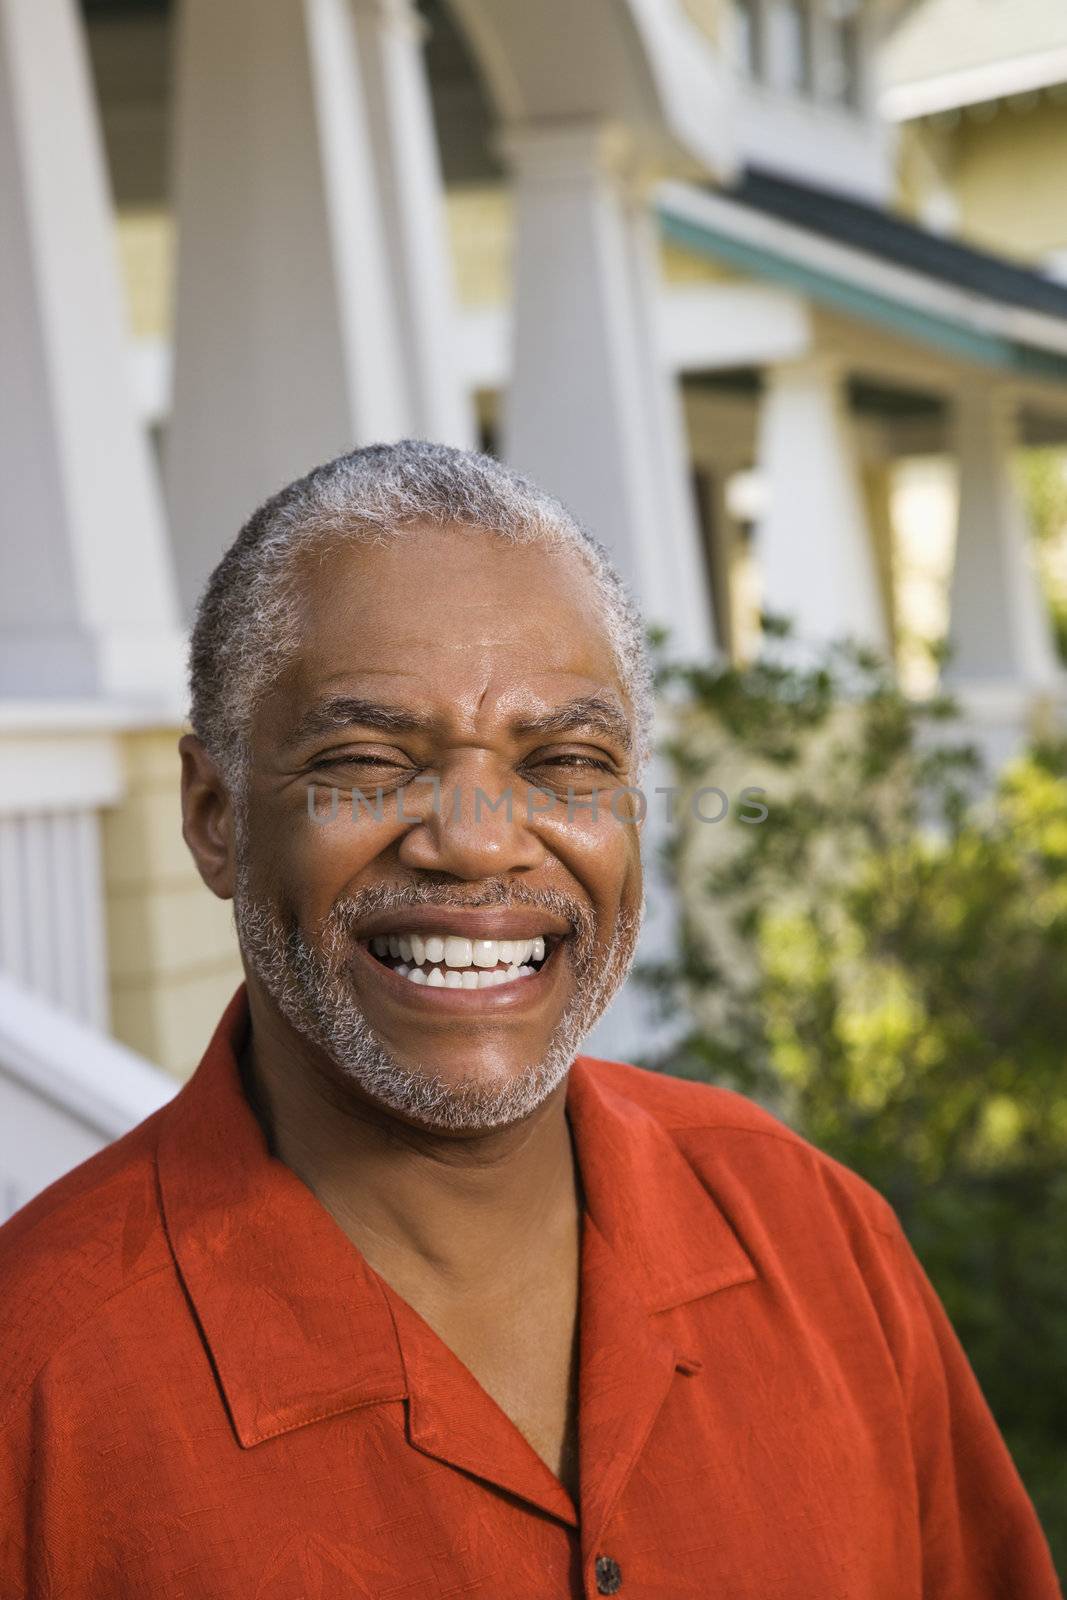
456	1096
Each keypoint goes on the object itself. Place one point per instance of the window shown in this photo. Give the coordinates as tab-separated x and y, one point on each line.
794	21
747	39
841	44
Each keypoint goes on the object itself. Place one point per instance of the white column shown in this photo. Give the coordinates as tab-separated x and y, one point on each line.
999	624
390	36
814	545
87	600
675	554
287	344
591	411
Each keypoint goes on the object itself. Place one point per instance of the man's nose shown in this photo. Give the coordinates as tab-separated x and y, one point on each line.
472	823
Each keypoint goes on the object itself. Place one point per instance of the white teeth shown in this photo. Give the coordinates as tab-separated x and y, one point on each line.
457	951
439	978
450	961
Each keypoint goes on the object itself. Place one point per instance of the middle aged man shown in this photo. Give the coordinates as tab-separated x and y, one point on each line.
397	1298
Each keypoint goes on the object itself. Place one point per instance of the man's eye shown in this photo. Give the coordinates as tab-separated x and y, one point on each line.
356	759
575	760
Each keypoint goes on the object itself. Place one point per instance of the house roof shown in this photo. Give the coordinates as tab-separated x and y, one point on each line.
856	258
949	53
893	238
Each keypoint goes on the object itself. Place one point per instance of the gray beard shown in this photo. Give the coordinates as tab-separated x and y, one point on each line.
310	984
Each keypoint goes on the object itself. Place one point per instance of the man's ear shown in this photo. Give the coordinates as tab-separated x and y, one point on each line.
207	818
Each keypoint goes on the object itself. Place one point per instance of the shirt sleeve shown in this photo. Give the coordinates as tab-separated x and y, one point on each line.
981	1538
17	1578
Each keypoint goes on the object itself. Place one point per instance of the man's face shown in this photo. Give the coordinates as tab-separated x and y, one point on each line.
446	947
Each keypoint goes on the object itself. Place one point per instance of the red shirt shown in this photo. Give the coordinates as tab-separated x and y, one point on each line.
208	1394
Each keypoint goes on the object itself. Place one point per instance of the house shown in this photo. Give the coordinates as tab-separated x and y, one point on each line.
978	96
641	247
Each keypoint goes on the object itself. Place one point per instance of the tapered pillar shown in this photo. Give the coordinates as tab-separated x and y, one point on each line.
999	624
390	36
287	340
591	410
87	603
814	544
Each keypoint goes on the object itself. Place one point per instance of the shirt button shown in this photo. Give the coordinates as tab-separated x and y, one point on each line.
608	1575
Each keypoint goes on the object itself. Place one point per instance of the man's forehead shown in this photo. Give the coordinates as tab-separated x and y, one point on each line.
414	568
443	599
440	617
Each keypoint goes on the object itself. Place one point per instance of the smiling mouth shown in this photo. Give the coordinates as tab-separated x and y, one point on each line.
448	961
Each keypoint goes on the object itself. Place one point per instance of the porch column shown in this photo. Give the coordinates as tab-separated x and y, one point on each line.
592	412
390	35
287	342
999	623
814	543
87	603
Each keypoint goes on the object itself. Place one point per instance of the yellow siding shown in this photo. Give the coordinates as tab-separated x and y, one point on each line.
481	231
173	959
709	16
683	266
146	255
1009	176
1002	165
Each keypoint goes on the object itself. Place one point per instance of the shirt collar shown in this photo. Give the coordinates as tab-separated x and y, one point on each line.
651	1208
298	1324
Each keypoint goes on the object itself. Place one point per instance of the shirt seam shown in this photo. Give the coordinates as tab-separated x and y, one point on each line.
797	1142
164	1266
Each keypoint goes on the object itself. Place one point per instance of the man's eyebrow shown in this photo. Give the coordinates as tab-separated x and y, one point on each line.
600	712
347	711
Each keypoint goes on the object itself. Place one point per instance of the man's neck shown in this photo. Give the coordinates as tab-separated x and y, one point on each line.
464	1215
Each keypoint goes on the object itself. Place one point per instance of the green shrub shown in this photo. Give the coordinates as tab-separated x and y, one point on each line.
883	962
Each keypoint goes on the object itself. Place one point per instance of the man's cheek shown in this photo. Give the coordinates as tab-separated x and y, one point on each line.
328	848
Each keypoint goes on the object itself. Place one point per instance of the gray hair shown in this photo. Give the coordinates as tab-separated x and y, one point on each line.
248	619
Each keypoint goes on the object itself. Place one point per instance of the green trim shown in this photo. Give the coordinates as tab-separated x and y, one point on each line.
867	304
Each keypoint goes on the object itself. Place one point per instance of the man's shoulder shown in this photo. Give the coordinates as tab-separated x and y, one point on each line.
685	1102
742	1150
83	1240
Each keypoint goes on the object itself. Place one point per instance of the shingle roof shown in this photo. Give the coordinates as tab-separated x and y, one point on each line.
892	238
